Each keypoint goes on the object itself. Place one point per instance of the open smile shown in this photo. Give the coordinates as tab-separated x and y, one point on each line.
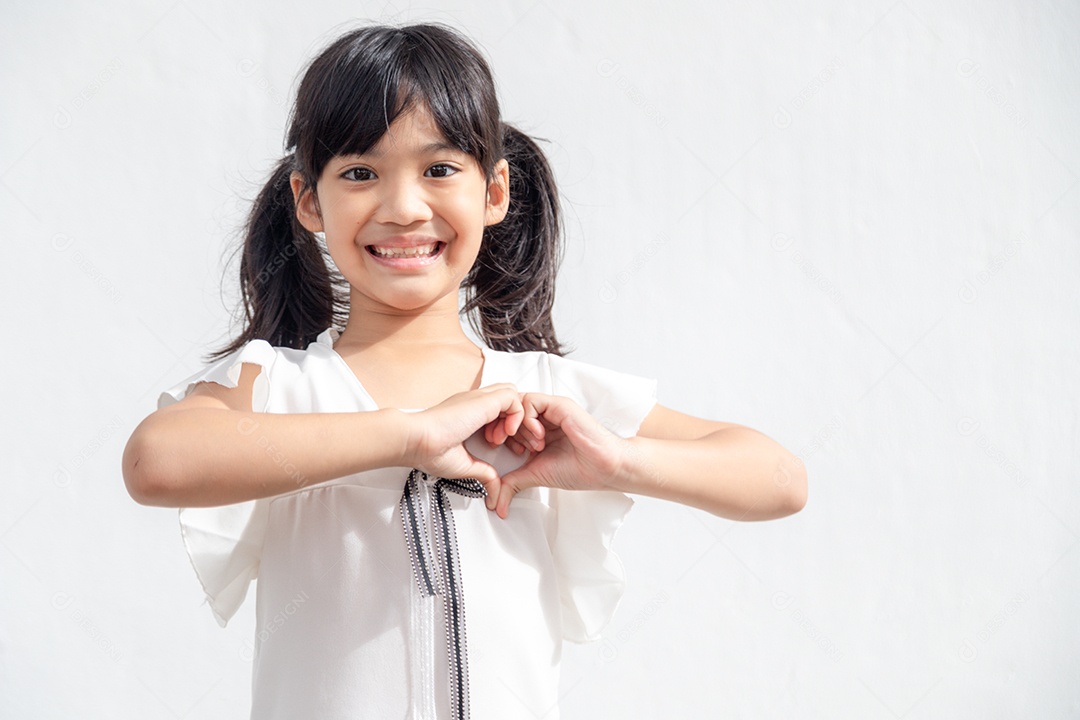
406	257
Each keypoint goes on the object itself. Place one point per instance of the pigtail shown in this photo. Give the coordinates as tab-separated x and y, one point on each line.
288	292
511	287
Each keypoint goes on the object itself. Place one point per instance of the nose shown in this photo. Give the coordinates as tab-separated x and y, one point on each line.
402	201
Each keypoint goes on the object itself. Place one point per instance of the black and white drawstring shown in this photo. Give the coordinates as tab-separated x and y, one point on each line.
446	582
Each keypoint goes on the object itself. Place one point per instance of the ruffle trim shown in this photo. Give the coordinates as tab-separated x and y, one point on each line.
591	576
224	543
226	372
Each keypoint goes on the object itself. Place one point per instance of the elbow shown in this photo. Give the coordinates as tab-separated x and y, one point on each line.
792	481
797	496
140	484
144	479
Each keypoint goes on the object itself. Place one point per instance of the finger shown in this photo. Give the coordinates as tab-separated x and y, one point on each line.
492	432
509	486
508	397
550	407
528	437
490	479
557	412
514	411
527	403
506	494
531	428
512	421
537	432
536	407
537	400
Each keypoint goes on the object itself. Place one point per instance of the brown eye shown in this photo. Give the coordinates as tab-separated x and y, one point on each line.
358	174
441	171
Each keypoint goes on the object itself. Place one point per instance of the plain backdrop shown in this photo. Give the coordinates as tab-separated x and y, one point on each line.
851	226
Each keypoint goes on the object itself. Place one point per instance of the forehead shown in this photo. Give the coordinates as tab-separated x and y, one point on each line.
414	132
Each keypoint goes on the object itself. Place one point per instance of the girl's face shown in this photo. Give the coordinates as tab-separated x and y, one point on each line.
404	221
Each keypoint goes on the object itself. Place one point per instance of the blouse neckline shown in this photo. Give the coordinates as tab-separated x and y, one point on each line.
328	337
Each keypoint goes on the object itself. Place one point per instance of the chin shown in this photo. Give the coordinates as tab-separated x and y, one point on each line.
412	302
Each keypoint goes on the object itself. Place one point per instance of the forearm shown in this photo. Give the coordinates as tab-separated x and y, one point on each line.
202	457
736	473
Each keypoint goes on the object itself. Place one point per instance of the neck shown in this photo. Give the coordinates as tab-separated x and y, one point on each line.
370	324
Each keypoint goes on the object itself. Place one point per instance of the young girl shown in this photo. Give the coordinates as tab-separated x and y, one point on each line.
427	519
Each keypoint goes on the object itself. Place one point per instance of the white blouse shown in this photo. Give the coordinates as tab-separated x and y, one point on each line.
343	629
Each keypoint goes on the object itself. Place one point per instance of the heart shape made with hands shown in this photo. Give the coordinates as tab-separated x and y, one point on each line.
566	448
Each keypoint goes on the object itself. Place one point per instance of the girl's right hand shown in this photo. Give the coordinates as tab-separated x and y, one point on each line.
436	441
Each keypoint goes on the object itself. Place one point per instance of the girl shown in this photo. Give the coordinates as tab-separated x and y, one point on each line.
366	474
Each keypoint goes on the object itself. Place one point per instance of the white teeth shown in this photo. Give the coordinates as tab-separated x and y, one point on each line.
403	251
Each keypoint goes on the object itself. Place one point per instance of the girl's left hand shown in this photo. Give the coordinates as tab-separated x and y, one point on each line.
569	449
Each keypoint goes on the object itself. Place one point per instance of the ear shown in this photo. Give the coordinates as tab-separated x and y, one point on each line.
306	203
498	194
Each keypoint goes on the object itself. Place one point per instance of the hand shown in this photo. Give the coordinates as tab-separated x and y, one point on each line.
570	449
437	435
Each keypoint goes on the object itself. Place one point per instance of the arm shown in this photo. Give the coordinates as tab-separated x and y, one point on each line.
210	449
728	470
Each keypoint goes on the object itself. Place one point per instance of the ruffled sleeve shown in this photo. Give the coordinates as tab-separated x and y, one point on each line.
226	371
591	577
224	543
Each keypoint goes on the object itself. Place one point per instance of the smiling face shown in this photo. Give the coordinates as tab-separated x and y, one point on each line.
404	221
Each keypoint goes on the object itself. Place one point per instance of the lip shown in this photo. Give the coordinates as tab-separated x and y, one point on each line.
407	263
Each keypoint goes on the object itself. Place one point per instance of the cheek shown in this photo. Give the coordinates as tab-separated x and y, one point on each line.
470	213
337	253
466	203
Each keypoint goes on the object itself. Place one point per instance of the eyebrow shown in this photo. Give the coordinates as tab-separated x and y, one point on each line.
428	149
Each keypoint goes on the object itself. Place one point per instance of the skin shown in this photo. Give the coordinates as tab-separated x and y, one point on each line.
405	343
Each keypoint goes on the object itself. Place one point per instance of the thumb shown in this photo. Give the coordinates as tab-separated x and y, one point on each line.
488	476
511	484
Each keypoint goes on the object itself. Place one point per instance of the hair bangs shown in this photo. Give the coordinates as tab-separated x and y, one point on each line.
448	86
371	78
354	102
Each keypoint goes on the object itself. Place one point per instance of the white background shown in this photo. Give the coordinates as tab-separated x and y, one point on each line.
852	226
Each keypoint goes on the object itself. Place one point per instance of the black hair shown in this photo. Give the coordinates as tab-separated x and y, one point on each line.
348	97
